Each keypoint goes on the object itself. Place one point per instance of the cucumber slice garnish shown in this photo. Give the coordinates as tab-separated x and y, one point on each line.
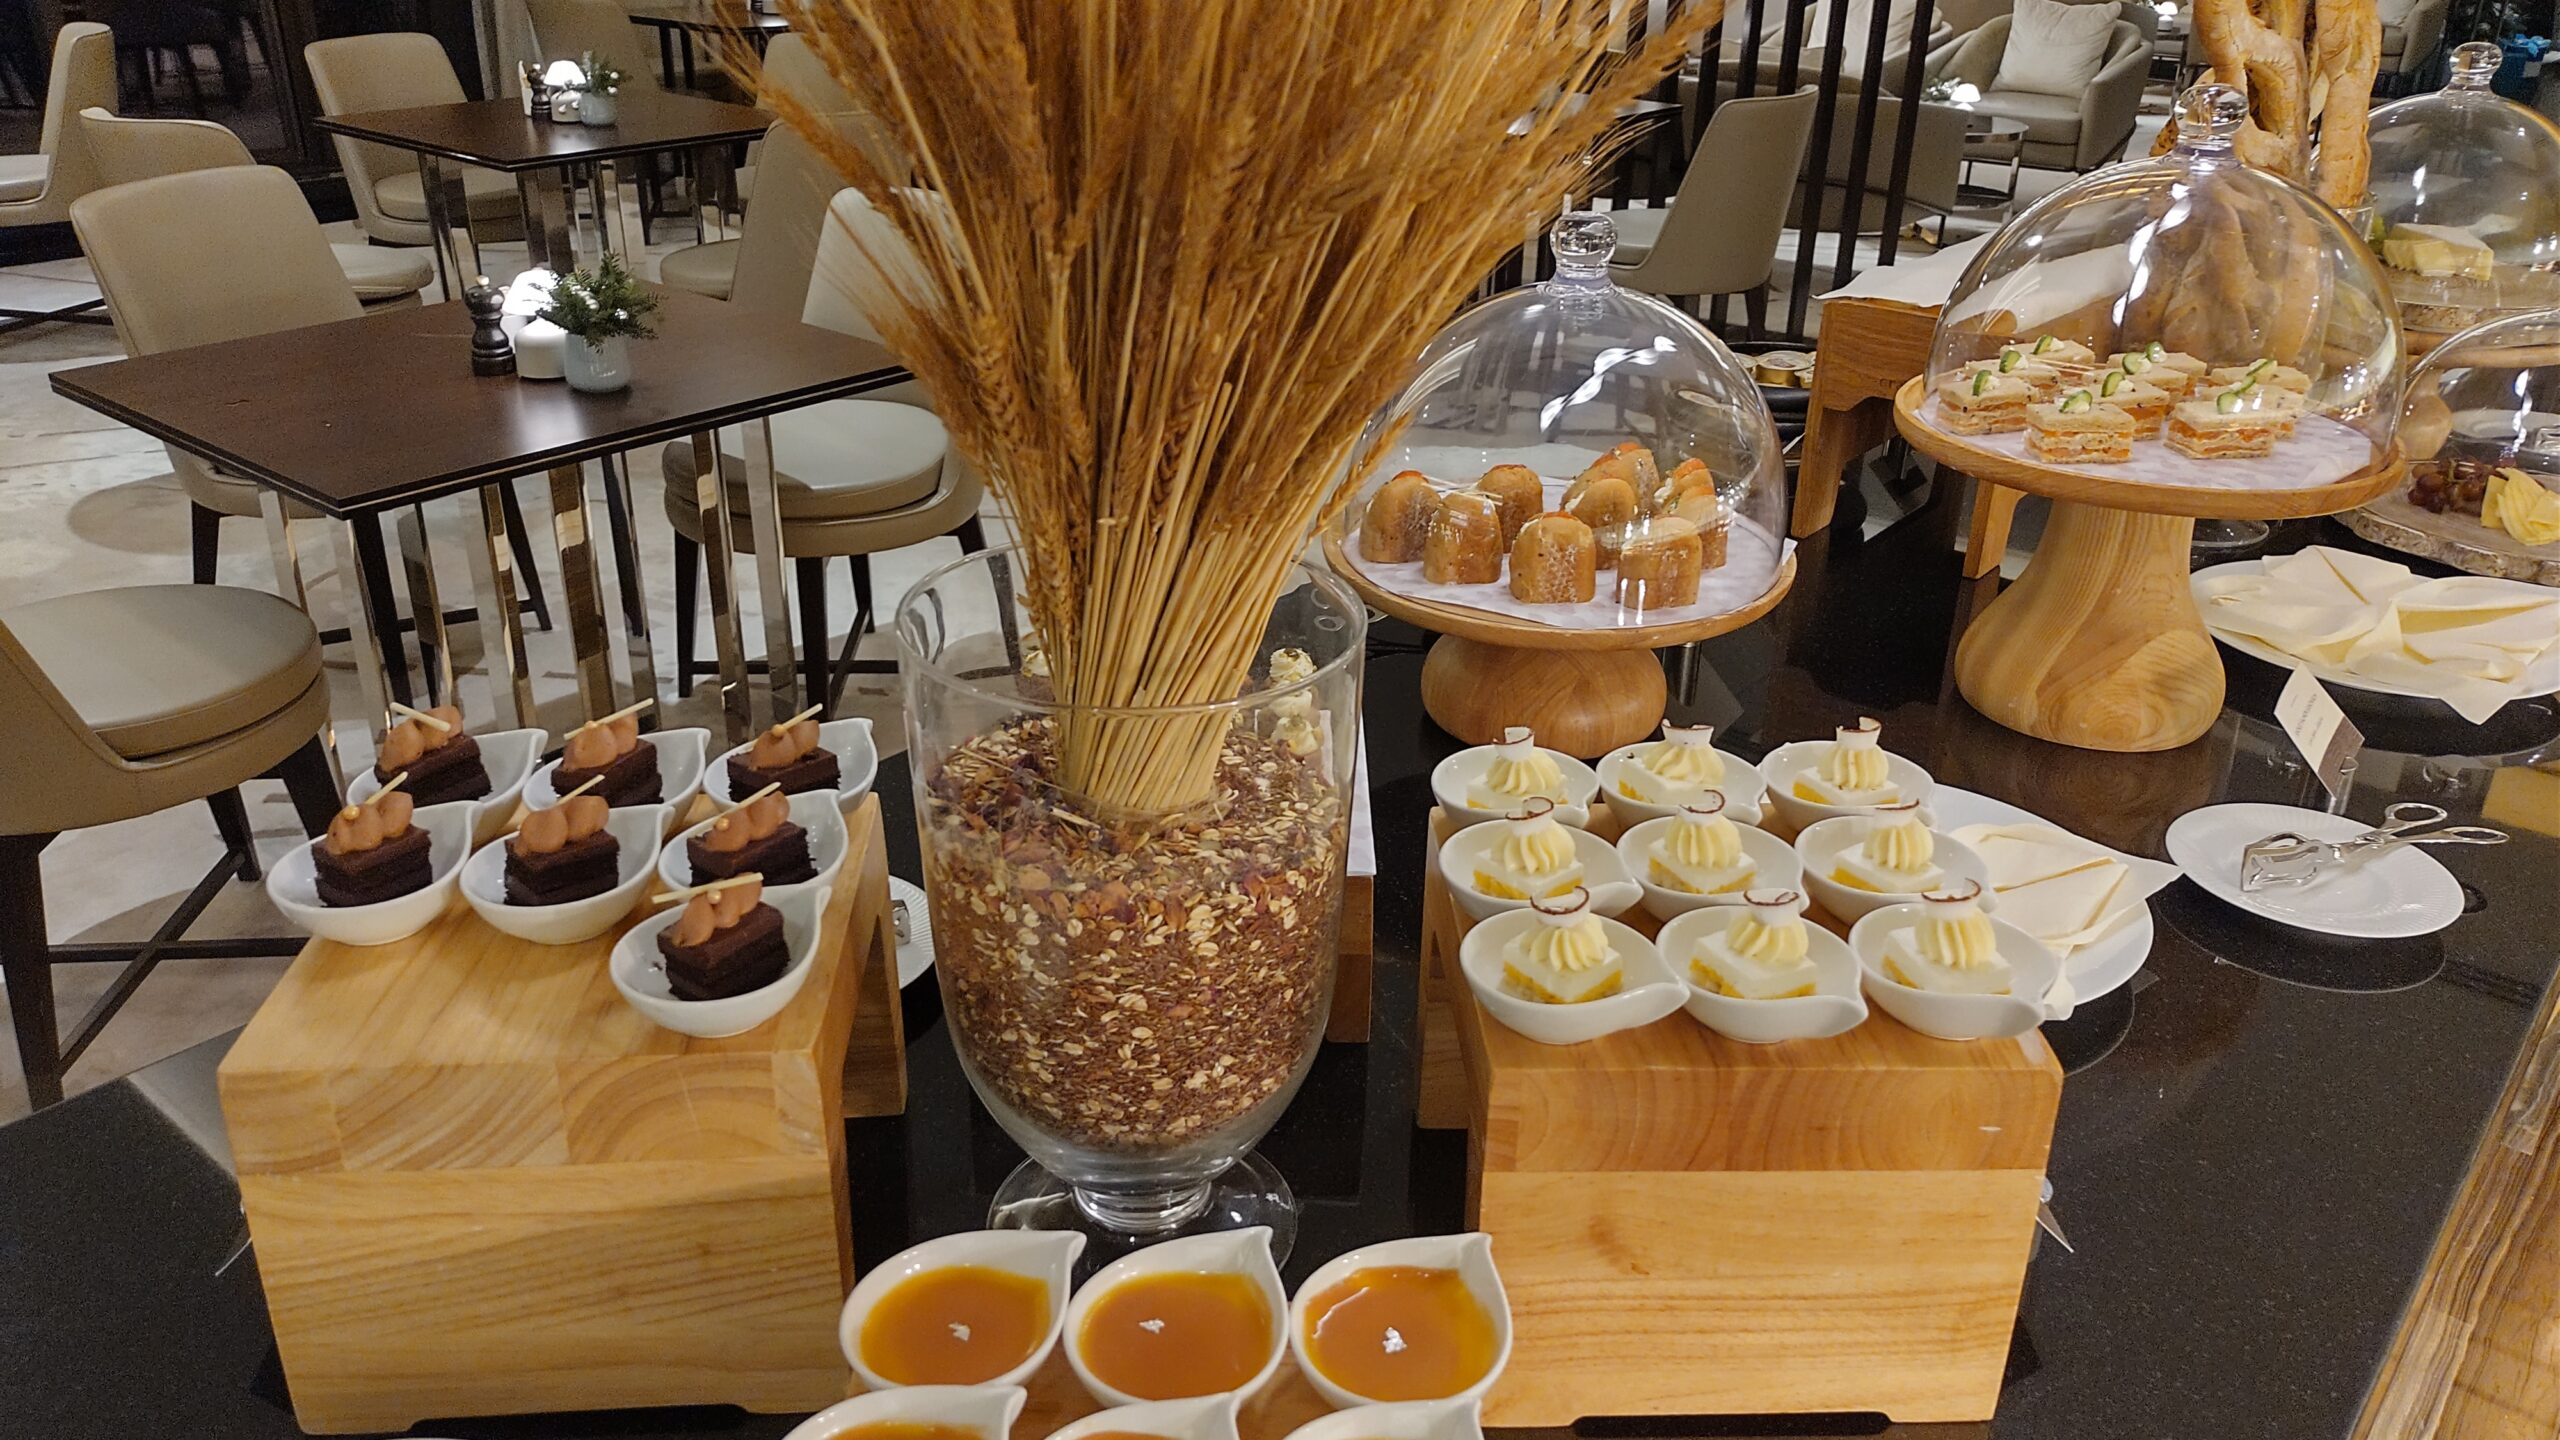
2154	350
2009	360
2230	401
2259	368
2077	402
1981	381
2109	385
2044	343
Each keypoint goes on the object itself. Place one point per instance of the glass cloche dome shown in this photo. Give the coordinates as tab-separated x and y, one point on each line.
2486	400
2235	305
2466	201
1575	453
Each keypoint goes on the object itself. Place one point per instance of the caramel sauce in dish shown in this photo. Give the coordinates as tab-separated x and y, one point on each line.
1400	1332
1177	1334
956	1325
907	1430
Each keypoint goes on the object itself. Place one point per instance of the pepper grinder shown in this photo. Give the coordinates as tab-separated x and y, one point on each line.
491	354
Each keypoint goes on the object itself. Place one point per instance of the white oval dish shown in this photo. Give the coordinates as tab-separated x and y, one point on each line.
1471	1255
1603	874
293	884
1048	1256
2397	893
1821	843
1779	770
637	974
1836	1004
2032	971
988	1411
1245	1252
1451	777
850	741
484	885
1742	788
812	810
1202	1417
508	755
1650	991
1412	1420
1775	859
680	763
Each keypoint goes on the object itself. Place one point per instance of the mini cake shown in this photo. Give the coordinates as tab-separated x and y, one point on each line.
1952	951
787	755
1297	726
613	750
727	942
1398	519
1983	402
2230	426
1853	771
1686	478
443	763
1606	505
1681	768
563	853
1555	561
1764	952
1701	853
1464	546
1520	494
371	853
1531	859
2147	404
2040	379
1659	563
1564	957
1894	857
1705	509
756	838
2259	372
1518	773
1627	461
2076	429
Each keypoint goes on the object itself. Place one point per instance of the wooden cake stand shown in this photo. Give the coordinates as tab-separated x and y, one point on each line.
2099	643
1585	692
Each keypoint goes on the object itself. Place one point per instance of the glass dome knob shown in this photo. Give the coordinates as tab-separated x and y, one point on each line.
2209	115
2474	64
1584	240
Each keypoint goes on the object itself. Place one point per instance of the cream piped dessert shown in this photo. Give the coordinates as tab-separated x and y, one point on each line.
1952	951
1518	773
1532	856
1682	768
1893	857
1564	958
1764	952
1853	771
1701	853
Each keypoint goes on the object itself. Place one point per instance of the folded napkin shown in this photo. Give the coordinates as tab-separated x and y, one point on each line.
1927	280
2063	890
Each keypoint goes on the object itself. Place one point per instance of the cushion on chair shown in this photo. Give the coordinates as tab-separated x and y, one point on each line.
2055	47
403	196
2394	40
157	668
1637	231
840	460
385	272
708	269
22	177
2050	119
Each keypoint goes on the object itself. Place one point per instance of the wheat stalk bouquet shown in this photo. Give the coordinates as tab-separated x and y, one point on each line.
1168	256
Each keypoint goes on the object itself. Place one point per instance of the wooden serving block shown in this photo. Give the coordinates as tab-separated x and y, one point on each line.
1688	1224
480	1183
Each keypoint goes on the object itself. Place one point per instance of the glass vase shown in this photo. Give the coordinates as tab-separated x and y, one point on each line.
1135	994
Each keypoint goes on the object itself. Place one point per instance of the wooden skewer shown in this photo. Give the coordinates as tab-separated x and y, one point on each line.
584	786
628	710
714	886
396	782
810	713
422	717
750	800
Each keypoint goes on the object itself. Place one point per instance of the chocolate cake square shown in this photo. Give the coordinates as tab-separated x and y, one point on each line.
575	871
782	858
396	867
451	771
631	780
816	770
748	955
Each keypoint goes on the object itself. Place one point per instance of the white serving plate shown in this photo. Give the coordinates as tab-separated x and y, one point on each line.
2033	969
1048	1256
2102	966
1742	788
484	885
1451	778
2542	677
1471	1255
1649	993
1836	1004
293	884
1776	859
1779	768
986	1411
508	755
1245	1252
1819	848
680	761
1603	874
638	975
1412	1420
2395	894
857	763
1203	1417
812	810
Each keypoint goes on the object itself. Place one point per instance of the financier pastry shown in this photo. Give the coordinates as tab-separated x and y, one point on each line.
1659	564
1398	520
1608	506
1554	561
1520	494
1464	543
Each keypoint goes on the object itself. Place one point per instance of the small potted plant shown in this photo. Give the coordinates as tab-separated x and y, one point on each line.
604	309
596	94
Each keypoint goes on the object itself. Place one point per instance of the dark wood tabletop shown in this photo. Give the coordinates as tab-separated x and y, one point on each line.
365	415
703	18
498	135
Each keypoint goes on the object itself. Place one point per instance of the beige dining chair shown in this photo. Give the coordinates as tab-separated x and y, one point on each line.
791	69
123	703
767	267
571	29
357	73
126	149
1719	235
38	188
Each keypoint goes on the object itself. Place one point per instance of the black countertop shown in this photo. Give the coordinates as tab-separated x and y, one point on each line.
2258	1141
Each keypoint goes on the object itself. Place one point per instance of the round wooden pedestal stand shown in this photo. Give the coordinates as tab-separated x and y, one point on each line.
1585	692
2099	644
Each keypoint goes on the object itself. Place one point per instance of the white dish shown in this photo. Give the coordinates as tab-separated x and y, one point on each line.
640	976
1774	860
1779	769
1048	1256
857	763
2542	677
1742	788
1245	1252
1203	1417
2397	893
1821	843
508	755
1836	1004
1412	1420
2100	967
484	885
293	884
2032	971
1451	778
814	811
1612	889
986	1411
1471	1255
680	761
1650	991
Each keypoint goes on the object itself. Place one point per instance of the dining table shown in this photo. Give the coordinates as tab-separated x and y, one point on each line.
680	23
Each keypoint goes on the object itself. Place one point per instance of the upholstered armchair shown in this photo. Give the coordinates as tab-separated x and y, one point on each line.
2064	132
2409	44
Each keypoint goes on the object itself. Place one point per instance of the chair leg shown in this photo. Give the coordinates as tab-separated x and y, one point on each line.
868	613
231	818
810	578
972	535
688	594
314	789
27	966
204	540
520	539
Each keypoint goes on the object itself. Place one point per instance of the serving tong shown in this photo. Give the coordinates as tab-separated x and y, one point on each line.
2288	858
